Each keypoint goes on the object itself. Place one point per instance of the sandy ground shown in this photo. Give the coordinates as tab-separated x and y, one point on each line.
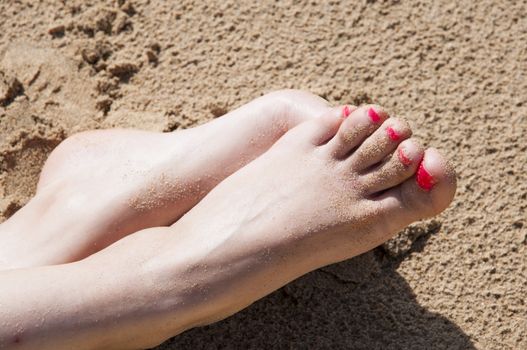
456	70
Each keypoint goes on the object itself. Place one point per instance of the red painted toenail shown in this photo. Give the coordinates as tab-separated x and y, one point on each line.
424	179
373	115
394	135
346	111
403	158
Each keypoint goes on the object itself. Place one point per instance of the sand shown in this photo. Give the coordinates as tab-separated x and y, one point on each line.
456	70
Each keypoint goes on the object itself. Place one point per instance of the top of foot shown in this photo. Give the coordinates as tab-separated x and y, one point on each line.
345	183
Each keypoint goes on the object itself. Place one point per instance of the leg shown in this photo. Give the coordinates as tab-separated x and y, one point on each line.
327	191
128	180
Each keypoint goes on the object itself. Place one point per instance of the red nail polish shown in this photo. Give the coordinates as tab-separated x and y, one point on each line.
346	111
373	115
403	158
424	179
393	134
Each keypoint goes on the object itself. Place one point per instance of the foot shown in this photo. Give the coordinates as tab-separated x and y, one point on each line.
99	186
346	185
327	191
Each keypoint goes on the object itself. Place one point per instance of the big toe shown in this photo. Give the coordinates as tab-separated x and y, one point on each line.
434	185
424	195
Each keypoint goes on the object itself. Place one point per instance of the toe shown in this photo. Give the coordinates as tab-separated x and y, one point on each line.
356	127
424	195
380	144
402	165
287	106
319	130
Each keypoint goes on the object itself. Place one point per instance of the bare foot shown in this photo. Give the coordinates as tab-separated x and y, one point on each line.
325	192
99	186
328	190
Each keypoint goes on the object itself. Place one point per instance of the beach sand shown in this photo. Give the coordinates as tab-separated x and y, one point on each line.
456	70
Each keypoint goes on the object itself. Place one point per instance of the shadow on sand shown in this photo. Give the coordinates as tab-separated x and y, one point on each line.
362	303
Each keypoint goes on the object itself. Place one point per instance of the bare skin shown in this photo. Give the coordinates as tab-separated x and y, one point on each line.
328	190
100	186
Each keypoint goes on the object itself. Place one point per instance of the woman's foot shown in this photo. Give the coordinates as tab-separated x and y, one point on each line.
326	191
99	186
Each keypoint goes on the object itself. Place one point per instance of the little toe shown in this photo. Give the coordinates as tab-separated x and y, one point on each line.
380	144
424	195
402	164
359	124
319	130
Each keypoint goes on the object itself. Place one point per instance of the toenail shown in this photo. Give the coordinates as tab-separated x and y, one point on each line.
346	111
404	158
424	179
394	135
374	116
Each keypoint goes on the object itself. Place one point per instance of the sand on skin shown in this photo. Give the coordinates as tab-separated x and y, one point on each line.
457	71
